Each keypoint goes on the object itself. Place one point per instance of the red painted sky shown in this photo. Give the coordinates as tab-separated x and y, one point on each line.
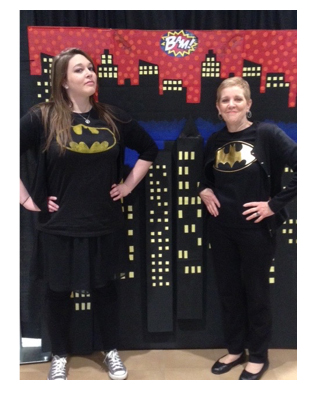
275	50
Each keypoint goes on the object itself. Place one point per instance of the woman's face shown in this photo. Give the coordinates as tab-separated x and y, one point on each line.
81	81
233	106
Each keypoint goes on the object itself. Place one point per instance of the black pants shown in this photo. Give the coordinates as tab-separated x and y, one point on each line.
242	259
59	309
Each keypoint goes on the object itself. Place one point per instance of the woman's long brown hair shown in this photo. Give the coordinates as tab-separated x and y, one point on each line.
57	112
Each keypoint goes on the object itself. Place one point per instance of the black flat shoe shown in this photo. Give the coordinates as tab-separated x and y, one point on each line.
221	368
245	375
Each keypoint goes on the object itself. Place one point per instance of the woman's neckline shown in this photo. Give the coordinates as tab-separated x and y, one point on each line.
78	111
240	130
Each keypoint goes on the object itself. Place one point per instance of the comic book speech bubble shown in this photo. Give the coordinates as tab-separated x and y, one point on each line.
179	43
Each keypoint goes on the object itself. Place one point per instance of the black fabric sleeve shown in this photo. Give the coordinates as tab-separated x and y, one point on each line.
207	182
133	135
30	131
136	138
31	134
285	150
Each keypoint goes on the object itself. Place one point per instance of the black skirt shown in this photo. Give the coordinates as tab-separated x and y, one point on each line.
79	263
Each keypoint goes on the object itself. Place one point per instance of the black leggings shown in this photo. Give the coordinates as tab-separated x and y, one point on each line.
59	310
242	259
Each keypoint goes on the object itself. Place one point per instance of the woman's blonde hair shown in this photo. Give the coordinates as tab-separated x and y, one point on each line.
57	112
234	82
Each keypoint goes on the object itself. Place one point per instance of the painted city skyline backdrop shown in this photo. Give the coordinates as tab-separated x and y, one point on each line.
179	54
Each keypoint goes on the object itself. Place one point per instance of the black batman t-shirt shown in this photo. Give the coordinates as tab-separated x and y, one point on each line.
81	178
237	176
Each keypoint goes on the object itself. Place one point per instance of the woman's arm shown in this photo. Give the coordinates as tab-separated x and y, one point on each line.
283	153
26	200
137	173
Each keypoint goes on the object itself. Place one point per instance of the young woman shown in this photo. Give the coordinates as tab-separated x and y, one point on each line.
242	190
77	190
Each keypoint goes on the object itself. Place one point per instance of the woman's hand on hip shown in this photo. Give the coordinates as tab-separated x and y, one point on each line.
210	200
119	191
257	211
51	204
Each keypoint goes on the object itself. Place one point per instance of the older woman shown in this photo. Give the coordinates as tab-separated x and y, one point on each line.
77	191
241	188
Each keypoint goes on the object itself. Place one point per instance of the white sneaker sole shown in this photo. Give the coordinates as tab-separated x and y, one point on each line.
118	377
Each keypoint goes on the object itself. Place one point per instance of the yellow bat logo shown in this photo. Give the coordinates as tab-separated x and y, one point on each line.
234	156
106	140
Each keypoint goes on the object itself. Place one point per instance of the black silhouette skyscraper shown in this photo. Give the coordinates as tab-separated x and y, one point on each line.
188	154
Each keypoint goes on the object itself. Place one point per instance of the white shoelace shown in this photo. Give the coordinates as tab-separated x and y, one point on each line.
115	361
59	367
